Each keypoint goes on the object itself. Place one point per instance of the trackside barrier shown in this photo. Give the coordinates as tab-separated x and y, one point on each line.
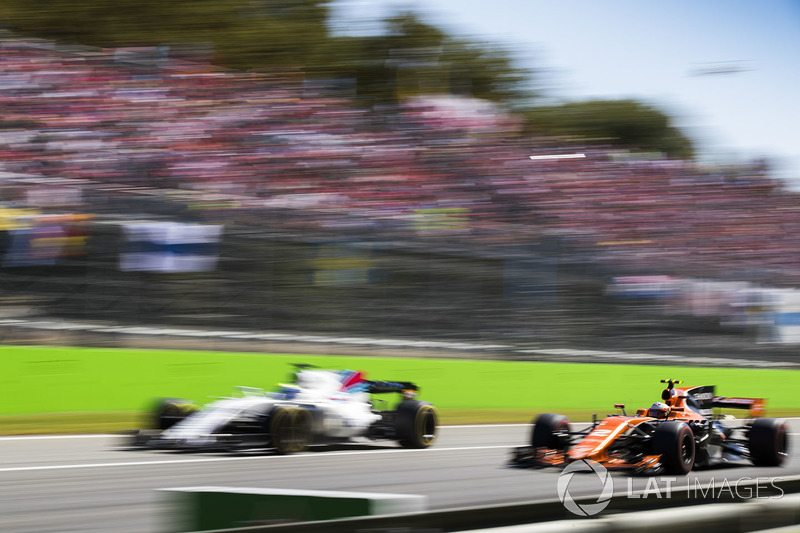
787	529
210	508
750	516
772	510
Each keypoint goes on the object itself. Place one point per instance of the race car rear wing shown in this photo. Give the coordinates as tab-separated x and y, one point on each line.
754	405
406	388
707	400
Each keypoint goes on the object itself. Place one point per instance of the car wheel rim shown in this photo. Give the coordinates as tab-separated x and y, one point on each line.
782	443
428	426
687	450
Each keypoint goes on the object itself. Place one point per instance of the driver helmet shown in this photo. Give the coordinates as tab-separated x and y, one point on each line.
658	410
288	392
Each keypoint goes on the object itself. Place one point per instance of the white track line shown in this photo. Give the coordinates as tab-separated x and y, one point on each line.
245	458
479	426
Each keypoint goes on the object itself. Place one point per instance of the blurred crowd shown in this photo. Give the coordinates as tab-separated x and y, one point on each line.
451	167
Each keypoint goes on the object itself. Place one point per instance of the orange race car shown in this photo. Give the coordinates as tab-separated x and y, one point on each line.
673	436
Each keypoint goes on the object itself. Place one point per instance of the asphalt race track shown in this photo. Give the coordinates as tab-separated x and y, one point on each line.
88	483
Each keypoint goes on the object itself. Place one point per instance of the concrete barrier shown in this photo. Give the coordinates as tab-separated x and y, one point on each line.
682	512
781	514
211	508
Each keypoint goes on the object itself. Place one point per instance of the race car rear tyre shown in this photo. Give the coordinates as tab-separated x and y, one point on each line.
290	429
551	431
170	411
674	442
416	423
769	442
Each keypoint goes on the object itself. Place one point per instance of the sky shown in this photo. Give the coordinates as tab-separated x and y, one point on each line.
648	51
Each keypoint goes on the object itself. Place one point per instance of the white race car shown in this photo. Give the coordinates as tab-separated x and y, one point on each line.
317	407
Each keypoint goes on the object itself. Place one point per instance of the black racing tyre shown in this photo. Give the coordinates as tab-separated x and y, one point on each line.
769	442
290	429
674	442
170	411
416	424
550	431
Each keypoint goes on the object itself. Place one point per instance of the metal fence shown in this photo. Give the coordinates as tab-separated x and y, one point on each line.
283	271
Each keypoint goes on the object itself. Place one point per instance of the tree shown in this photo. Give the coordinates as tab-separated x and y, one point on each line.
413	57
626	123
242	33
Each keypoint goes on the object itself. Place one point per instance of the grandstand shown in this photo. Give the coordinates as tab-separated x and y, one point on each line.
407	221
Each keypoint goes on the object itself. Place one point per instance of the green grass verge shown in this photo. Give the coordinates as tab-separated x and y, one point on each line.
59	389
69	423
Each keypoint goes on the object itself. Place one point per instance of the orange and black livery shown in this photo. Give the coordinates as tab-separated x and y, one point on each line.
682	431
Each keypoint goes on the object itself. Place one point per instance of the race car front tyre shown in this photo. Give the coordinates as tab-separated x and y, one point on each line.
674	442
170	411
550	431
290	429
416	424
769	442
